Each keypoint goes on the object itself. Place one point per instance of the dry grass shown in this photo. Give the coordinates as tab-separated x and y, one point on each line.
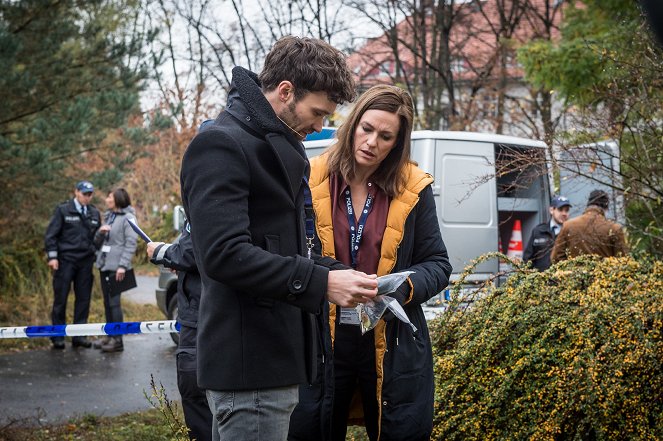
139	426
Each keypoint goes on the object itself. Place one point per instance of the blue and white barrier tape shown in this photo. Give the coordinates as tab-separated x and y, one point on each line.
120	328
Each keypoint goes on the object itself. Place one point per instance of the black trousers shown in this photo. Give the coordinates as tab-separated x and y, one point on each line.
112	302
194	401
80	274
354	367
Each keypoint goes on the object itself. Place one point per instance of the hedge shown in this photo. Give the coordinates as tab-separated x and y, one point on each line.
572	353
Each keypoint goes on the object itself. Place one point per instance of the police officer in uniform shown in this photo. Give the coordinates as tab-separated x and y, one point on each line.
543	236
71	251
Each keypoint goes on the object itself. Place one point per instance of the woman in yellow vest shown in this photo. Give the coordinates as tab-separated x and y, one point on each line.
375	213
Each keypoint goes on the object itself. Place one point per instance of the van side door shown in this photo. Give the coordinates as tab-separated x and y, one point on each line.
465	196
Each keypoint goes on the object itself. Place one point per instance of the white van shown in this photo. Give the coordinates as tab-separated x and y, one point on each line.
483	184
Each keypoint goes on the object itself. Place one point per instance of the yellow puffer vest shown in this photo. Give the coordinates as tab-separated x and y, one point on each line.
399	209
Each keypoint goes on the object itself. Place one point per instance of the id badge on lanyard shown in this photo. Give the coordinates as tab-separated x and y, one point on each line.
106	248
350	316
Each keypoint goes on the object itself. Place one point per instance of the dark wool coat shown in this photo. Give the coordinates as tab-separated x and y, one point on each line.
404	360
242	192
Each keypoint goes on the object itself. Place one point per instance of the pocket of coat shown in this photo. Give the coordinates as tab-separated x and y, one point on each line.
272	243
410	351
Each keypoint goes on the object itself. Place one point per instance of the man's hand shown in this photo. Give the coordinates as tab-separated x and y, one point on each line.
151	246
53	264
348	288
119	274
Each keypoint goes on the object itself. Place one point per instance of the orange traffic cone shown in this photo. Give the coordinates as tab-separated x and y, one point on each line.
515	250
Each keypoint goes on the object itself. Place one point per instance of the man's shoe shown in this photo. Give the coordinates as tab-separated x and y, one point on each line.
115	345
58	344
101	341
82	343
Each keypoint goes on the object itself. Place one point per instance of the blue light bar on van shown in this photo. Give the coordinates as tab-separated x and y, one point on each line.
325	133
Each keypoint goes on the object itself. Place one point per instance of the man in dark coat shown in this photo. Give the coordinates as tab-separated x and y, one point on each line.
244	191
179	256
69	243
590	233
543	236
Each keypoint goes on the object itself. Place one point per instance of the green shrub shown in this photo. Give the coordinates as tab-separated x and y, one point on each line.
571	353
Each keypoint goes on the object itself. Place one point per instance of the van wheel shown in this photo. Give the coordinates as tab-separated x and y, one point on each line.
173	315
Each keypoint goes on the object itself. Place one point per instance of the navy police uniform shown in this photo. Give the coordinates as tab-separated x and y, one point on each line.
540	246
69	238
542	240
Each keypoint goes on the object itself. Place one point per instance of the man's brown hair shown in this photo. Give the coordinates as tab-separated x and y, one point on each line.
311	65
391	175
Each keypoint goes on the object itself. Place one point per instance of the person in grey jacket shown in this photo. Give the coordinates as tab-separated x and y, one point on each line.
116	241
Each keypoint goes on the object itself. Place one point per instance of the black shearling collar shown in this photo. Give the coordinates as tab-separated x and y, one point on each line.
246	86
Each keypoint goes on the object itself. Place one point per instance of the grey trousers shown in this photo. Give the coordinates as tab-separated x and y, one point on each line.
254	415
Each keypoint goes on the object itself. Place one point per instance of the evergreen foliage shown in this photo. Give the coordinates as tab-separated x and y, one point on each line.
69	88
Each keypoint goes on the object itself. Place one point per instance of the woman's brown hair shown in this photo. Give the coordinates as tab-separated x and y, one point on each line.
121	197
391	175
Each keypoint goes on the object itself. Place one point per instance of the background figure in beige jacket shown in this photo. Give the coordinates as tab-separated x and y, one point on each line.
590	233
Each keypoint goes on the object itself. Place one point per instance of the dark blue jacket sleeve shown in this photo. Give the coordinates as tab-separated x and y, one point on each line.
529	249
53	233
178	256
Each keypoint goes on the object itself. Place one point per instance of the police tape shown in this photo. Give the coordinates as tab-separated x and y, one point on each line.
119	328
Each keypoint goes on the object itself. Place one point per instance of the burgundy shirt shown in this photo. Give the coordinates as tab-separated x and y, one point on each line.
368	255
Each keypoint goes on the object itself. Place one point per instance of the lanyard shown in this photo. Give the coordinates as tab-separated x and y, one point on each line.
356	228
309	218
110	218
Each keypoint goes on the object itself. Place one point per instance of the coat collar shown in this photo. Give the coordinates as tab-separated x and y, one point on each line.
597	211
247	103
73	208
